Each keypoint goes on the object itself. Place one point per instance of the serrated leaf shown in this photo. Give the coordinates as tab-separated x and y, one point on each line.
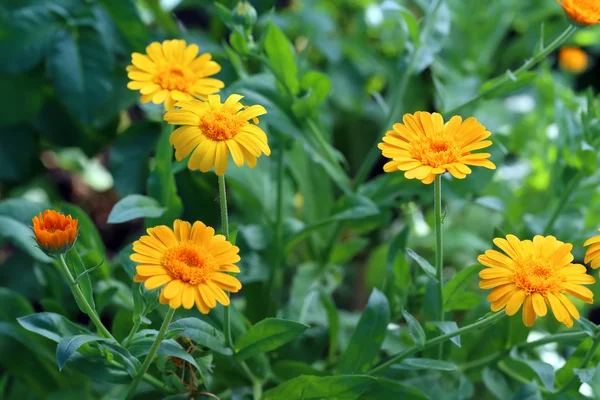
267	335
416	330
423	263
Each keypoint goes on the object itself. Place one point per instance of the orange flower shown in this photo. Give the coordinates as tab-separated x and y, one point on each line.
585	12
573	59
55	232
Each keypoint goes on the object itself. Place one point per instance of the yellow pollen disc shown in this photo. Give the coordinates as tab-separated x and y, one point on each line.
189	263
536	276
220	125
436	151
173	77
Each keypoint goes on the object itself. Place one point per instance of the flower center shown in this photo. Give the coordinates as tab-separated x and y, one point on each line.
173	77
536	275
436	151
189	263
220	125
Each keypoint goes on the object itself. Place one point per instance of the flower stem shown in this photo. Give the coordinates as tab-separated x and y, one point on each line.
159	338
154	381
575	181
78	294
480	324
132	333
225	227
439	252
586	360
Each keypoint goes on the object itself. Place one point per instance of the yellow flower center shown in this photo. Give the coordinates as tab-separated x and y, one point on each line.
173	77
220	125
189	263
536	275
436	151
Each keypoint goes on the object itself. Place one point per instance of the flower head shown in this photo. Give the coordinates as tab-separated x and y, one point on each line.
573	59
585	12
191	261
172	71
423	146
55	232
593	252
535	274
211	130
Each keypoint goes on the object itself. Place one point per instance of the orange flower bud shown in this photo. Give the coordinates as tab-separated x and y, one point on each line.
55	232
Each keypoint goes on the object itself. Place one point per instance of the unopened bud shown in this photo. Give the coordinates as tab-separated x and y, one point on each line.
244	15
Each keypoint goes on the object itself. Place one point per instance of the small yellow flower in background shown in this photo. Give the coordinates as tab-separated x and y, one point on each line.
191	261
213	129
585	12
172	71
593	252
55	232
534	274
573	59
423	146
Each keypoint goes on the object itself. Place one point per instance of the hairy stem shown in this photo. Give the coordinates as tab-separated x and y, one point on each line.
439	252
225	227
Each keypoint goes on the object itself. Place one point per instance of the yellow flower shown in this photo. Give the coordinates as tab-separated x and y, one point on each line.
171	72
213	129
191	261
55	232
593	252
585	12
534	274
573	59
424	146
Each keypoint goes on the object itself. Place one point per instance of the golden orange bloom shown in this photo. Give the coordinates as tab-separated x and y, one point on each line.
593	252
423	146
573	59
190	261
173	71
211	130
585	12
55	232
534	274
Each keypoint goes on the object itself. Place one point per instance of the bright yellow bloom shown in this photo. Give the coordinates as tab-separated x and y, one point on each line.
55	232
213	129
534	274
192	261
171	72
585	12
573	59
593	252
424	146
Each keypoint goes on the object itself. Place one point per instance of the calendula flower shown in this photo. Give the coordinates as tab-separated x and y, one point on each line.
573	59
593	252
190	261
585	12
211	130
55	232
423	146
534	274
172	71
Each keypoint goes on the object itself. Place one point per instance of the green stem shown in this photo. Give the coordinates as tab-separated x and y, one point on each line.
439	251
575	181
132	333
481	324
159	338
78	294
225	227
511	77
517	377
586	360
154	381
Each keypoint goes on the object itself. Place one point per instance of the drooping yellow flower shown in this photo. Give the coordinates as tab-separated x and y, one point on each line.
423	146
534	274
55	232
573	59
211	130
585	12
191	261
172	71
593	252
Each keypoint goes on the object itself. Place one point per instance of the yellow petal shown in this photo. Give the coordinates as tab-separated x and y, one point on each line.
156	281
515	302
528	312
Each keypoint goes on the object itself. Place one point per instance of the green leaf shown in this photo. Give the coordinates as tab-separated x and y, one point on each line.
89	239
333	319
52	326
423	263
415	329
463	301
317	86
544	370
14	305
69	345
290	369
21	236
133	207
141	346
21	209
448	327
18	153
267	335
317	388
125	16
203	334
425	363
368	337
132	365
588	326
587	374
25	100
458	284
390	389
281	58
495	382
524	79
78	269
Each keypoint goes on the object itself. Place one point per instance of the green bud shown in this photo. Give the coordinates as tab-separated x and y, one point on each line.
244	15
